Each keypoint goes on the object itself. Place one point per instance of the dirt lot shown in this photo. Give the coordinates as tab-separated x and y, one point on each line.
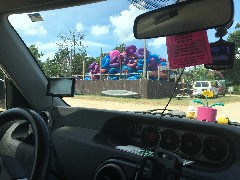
231	109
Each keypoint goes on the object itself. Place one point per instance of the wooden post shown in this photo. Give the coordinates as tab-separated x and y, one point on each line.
120	69
101	65
168	76
183	87
159	70
83	69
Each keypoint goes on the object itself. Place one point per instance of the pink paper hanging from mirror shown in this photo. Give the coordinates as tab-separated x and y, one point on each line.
189	49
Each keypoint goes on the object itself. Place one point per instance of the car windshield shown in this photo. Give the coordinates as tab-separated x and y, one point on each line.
94	43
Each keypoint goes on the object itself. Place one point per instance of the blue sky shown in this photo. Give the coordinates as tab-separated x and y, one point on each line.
106	24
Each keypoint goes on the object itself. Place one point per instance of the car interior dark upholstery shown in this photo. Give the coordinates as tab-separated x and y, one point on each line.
42	137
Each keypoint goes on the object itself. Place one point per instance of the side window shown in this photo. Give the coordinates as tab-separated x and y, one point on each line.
198	84
205	84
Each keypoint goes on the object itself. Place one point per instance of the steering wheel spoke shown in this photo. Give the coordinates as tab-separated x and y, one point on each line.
42	153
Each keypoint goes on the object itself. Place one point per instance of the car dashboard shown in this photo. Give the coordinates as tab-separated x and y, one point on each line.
90	143
200	143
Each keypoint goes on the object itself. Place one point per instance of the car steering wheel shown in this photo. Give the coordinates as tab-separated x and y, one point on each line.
41	164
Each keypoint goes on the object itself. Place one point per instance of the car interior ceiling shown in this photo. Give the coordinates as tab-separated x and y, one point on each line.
82	143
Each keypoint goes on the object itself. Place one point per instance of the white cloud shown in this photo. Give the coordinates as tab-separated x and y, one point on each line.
47	55
99	30
156	43
79	27
50	48
123	23
22	23
46	46
94	44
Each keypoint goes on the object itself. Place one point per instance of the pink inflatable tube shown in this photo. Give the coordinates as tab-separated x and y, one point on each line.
114	53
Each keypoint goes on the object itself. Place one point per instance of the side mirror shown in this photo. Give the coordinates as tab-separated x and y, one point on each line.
184	17
61	87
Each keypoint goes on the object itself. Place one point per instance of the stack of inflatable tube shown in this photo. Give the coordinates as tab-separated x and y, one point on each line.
128	63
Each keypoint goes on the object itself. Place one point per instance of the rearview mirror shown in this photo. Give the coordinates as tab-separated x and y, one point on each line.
184	17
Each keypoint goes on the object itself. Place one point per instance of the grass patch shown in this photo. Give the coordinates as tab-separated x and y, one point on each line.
174	101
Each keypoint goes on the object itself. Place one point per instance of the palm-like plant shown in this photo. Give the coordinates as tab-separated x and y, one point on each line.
207	94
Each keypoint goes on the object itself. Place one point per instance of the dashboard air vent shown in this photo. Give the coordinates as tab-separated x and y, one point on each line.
45	116
110	171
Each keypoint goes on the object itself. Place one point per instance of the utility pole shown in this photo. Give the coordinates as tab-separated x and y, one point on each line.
70	63
74	50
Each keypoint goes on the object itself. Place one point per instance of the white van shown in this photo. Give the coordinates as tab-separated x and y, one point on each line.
217	87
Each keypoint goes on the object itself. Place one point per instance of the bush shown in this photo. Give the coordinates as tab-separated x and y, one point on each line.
236	89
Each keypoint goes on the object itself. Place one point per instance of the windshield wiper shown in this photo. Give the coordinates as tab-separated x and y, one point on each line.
234	123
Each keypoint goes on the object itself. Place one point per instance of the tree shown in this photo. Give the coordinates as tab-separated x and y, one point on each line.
233	75
36	54
199	74
59	65
121	47
71	43
237	26
51	68
90	60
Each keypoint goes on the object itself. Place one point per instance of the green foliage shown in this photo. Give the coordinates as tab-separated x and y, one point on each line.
71	52
233	75
236	89
199	73
217	104
121	47
51	68
36	54
202	103
198	102
68	60
237	26
77	67
90	60
235	37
